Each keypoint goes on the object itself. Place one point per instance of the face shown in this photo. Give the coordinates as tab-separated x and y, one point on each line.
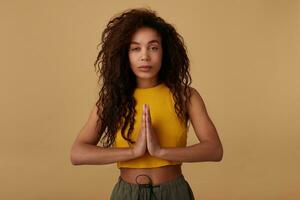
145	55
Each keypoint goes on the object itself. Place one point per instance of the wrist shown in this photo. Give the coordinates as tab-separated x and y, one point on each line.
159	153
135	153
132	153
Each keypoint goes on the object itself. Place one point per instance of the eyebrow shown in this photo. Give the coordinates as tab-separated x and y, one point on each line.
150	42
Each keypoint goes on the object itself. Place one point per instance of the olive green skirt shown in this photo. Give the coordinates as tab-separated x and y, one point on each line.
177	189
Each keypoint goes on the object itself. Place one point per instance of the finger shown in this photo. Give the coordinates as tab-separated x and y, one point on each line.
149	115
147	119
143	116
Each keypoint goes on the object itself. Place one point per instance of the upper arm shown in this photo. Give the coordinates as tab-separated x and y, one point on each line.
89	132
202	124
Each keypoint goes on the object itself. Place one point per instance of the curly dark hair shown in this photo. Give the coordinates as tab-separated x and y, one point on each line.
116	103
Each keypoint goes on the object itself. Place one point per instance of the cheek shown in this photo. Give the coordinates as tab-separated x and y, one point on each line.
158	57
132	58
132	63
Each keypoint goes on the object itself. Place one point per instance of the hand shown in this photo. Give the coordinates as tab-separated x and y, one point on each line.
140	146
152	140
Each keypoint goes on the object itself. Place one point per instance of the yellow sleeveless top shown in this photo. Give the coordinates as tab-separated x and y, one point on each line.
170	131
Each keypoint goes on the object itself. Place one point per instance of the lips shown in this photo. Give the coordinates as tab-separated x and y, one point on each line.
145	68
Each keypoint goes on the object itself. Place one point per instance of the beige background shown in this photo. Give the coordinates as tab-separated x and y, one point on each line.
245	58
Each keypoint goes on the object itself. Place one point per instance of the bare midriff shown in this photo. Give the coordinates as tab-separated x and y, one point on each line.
158	175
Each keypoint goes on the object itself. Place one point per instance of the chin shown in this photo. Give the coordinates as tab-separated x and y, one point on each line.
145	76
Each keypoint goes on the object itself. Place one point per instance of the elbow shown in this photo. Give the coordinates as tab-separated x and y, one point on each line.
74	160
75	157
218	154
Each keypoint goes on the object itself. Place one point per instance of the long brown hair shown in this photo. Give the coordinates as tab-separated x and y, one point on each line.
116	104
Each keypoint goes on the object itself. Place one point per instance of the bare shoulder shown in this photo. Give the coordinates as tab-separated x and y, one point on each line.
196	101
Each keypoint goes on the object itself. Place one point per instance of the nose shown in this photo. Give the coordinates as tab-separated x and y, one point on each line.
144	54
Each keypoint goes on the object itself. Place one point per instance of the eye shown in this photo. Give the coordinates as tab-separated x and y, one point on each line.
134	49
154	48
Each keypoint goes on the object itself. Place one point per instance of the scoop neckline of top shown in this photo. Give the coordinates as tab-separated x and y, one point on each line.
150	88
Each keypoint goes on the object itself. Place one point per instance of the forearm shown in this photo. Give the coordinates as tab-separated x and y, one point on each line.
87	154
195	153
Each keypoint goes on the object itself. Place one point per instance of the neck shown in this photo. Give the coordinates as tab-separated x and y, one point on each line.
147	83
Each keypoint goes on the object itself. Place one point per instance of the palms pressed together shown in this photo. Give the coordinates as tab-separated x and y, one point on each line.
147	139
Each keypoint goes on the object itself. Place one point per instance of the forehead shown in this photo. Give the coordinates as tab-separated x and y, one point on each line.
146	35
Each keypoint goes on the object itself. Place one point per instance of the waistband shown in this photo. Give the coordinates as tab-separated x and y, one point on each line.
177	181
149	186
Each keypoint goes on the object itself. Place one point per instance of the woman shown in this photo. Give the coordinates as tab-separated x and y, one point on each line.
143	111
